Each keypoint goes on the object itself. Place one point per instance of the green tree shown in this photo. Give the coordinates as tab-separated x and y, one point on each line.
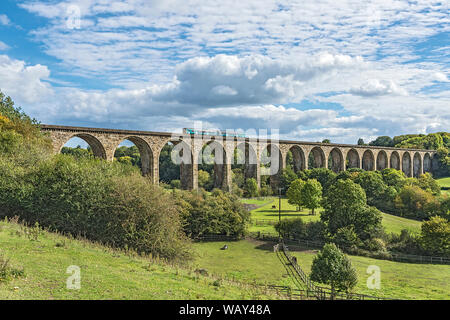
394	178
383	141
413	202
287	177
427	183
294	193
326	141
373	185
251	188
361	142
345	205
435	236
332	267
311	194
325	176
203	178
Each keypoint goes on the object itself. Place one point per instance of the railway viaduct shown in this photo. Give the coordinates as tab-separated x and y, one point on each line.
337	157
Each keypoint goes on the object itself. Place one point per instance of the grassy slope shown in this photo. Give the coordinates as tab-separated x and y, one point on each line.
105	273
255	261
444	183
393	224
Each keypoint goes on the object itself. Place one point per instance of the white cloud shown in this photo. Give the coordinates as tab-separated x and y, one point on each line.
24	82
375	87
3	46
4	20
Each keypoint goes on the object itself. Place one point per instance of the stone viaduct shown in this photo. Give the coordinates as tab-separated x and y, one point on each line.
337	157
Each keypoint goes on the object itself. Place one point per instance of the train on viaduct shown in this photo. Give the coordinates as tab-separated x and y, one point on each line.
337	157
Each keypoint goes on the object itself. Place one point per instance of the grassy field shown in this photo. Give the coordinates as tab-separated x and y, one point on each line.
252	260
105	273
444	183
392	224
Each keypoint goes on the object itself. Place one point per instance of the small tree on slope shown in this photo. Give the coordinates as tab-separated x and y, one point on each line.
333	267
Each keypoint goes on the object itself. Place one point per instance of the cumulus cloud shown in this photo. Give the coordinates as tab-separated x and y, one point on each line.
26	83
375	87
225	80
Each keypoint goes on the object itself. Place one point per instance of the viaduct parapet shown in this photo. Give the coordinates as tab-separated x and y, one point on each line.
305	155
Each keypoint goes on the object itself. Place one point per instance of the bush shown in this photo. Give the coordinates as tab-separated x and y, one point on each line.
105	202
291	228
250	188
346	237
413	202
435	236
334	268
216	213
405	242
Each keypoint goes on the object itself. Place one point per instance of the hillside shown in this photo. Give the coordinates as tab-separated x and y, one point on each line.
105	273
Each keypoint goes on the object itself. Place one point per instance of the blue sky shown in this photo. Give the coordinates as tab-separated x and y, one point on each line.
312	69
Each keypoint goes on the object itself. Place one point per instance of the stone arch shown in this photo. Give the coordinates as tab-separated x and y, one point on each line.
406	164
368	160
145	152
316	158
272	161
181	155
395	160
336	160
417	165
298	157
427	163
352	159
382	160
245	158
97	147
214	153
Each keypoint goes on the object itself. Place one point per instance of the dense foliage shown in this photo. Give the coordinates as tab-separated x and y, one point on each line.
434	141
216	213
332	267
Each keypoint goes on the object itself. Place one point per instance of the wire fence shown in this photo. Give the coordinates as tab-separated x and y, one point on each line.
314	244
313	290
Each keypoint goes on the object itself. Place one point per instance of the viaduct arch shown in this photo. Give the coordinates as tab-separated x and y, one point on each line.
258	154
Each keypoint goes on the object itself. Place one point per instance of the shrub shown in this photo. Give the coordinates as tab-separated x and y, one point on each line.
291	227
413	202
435	236
334	268
346	237
250	188
105	202
216	213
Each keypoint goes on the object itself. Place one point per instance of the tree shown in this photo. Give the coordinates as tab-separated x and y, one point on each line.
287	176
383	141
326	141
373	184
311	194
325	176
345	206
251	188
413	202
394	178
361	142
332	267
294	193
427	183
435	236
203	178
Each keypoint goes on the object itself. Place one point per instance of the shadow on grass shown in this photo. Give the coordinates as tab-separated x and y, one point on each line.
268	246
275	214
